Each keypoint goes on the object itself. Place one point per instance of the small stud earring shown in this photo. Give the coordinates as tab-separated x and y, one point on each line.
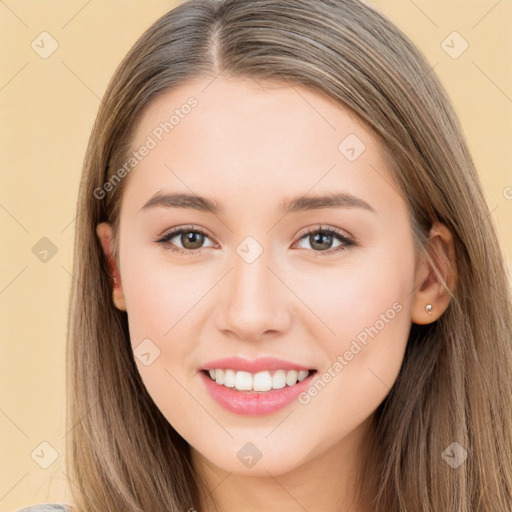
428	308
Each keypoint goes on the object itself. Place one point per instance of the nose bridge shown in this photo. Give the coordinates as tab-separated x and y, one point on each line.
255	300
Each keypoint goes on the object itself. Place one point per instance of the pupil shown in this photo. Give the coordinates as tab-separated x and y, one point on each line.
196	239
319	236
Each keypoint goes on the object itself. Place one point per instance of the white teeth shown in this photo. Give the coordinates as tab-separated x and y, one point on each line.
302	375
219	376
243	381
291	377
279	379
229	378
261	381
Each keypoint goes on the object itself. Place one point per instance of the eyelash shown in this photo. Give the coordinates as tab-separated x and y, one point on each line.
346	241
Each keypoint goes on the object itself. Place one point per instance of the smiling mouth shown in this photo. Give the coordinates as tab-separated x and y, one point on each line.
260	382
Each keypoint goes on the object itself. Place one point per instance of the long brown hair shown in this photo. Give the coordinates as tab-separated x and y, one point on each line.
455	385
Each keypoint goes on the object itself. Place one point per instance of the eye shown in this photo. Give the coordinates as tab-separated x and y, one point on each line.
321	240
190	238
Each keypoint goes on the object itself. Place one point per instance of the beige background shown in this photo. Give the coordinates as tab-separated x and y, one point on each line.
48	107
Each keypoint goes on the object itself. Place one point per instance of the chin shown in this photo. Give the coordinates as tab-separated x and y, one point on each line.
257	458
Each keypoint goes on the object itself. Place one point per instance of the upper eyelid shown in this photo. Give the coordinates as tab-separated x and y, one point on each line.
337	231
176	231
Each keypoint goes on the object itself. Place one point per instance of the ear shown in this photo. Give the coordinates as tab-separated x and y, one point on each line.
104	232
435	271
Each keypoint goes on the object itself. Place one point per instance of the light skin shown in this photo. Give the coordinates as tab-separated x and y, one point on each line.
249	148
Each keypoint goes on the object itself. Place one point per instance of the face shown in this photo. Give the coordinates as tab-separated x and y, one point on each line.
323	286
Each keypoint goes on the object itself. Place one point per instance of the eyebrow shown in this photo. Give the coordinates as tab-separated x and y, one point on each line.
299	204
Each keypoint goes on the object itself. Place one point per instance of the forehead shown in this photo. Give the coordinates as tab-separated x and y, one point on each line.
253	138
251	109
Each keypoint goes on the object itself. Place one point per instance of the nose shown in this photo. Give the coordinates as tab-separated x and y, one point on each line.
253	300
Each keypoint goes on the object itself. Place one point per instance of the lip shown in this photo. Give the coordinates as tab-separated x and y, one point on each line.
254	403
253	365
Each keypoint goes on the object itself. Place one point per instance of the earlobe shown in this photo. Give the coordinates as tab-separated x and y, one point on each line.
434	276
105	235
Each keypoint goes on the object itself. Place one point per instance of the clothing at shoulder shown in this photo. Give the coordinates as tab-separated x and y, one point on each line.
46	507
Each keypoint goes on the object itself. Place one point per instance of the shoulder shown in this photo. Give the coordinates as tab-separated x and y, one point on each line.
46	507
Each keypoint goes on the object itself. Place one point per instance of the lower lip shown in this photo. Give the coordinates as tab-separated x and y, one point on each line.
254	403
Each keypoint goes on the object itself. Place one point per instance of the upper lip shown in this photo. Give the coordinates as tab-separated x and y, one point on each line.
253	365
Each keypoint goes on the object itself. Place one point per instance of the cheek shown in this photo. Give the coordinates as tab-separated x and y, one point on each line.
161	319
160	296
365	307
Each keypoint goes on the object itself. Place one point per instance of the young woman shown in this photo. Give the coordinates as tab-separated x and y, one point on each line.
289	291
